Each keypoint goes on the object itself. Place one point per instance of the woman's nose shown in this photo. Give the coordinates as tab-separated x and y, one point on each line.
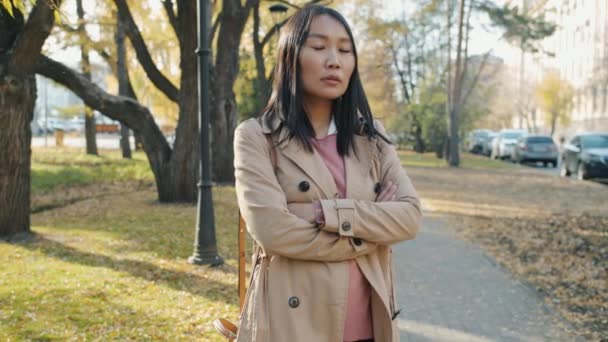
333	60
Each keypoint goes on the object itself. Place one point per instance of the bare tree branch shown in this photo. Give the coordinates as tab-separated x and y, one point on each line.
143	55
215	26
272	31
121	108
173	19
24	55
111	61
401	74
466	43
475	78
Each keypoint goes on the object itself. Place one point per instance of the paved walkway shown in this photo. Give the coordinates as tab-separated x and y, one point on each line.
450	290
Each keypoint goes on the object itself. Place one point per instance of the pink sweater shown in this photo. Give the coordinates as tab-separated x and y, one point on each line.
358	321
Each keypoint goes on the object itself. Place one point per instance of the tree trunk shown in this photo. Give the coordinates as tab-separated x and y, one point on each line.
20	45
125	146
89	118
123	82
454	153
448	103
90	131
183	169
262	84
223	106
17	98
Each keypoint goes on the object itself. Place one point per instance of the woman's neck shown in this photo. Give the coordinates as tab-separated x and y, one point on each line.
319	114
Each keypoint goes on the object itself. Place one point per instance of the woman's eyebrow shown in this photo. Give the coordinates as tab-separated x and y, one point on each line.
324	37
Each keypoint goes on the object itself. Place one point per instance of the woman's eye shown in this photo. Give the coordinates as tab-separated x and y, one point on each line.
345	51
318	47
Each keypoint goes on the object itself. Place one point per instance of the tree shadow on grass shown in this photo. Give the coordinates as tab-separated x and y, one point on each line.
178	280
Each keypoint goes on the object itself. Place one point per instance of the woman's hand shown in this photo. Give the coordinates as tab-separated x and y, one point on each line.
388	193
305	211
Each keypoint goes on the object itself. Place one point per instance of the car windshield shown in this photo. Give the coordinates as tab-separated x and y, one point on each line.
511	135
595	141
540	140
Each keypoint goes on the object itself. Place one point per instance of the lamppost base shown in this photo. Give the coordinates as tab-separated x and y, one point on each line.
211	260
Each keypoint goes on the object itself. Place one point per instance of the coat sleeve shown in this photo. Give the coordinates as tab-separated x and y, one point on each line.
383	223
264	207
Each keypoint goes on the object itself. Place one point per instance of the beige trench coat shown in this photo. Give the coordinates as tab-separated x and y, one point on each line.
298	290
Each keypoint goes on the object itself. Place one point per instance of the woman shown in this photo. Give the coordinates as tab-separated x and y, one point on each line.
323	194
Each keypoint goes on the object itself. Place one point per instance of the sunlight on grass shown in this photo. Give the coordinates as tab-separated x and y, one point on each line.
429	159
54	167
114	267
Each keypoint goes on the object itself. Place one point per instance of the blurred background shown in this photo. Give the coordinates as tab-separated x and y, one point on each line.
498	110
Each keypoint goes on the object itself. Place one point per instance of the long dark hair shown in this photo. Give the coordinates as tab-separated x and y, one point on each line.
285	101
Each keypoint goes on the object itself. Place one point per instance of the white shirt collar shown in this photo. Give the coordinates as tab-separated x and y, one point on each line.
332	127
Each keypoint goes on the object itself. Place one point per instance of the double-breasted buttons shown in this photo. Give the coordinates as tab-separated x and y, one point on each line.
304	186
357	242
294	302
346	226
377	188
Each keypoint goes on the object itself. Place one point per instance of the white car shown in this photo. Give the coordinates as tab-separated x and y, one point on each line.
503	144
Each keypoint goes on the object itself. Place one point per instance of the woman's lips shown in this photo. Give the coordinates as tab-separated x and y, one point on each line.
330	81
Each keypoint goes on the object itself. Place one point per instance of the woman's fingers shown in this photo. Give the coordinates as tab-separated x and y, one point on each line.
388	192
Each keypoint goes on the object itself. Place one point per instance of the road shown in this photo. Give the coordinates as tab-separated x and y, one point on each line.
105	141
450	290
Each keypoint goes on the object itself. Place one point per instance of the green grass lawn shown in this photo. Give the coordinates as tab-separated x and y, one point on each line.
114	267
56	167
467	160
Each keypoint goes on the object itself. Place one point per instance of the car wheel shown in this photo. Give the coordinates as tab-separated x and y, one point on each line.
545	164
554	164
563	171
581	174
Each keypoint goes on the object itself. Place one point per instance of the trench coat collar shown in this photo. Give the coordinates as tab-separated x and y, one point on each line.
357	165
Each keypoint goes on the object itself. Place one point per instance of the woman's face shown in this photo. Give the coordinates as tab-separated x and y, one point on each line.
327	59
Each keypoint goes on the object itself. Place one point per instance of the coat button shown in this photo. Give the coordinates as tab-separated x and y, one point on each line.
377	188
346	226
304	186
357	242
294	302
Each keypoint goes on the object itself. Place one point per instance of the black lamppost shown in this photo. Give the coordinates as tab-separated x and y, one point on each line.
205	246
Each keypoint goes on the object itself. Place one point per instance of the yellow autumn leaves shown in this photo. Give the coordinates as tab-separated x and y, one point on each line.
12	5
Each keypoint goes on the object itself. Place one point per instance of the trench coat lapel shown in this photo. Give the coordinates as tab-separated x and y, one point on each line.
312	165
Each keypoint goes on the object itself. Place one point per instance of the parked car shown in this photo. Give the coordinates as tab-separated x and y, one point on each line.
535	148
475	140
502	146
486	145
586	155
52	124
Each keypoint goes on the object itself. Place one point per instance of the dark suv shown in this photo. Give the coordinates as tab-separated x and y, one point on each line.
587	156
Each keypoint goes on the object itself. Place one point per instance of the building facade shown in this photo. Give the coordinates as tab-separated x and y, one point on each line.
579	49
